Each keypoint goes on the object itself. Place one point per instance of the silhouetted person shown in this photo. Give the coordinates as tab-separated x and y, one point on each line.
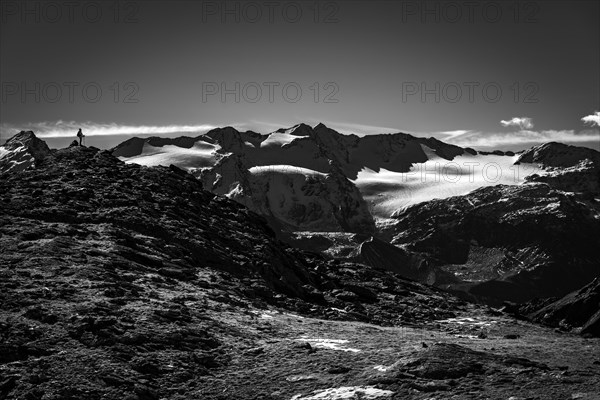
80	136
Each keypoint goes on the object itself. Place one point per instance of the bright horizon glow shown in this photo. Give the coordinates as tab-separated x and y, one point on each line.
69	128
525	138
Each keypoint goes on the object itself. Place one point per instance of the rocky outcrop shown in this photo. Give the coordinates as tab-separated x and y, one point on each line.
372	251
447	361
231	140
583	177
555	154
568	168
379	254
21	152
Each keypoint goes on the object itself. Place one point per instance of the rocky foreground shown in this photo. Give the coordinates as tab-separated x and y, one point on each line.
124	282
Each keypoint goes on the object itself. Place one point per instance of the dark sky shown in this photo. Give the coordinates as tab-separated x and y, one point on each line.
374	57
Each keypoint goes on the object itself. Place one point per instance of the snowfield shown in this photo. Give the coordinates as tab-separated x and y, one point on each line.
277	139
3	152
346	392
331	344
200	155
387	191
284	169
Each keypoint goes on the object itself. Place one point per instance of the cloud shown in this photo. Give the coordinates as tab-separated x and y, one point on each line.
60	128
521	122
523	137
593	119
448	135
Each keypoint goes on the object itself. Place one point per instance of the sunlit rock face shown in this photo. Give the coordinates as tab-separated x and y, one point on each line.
21	152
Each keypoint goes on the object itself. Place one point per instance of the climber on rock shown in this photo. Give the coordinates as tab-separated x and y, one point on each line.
80	136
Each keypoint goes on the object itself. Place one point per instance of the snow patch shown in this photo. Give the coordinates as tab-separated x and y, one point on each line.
268	314
201	154
467	321
3	152
236	191
346	392
332	344
381	368
277	139
338	310
284	169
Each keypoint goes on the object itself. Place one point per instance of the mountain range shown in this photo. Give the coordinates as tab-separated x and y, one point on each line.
282	174
249	266
496	225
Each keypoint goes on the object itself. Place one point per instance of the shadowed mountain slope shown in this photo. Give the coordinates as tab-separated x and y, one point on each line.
507	242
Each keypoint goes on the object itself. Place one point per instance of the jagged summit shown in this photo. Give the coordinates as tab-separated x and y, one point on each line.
29	140
301	129
22	136
135	145
554	154
21	152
